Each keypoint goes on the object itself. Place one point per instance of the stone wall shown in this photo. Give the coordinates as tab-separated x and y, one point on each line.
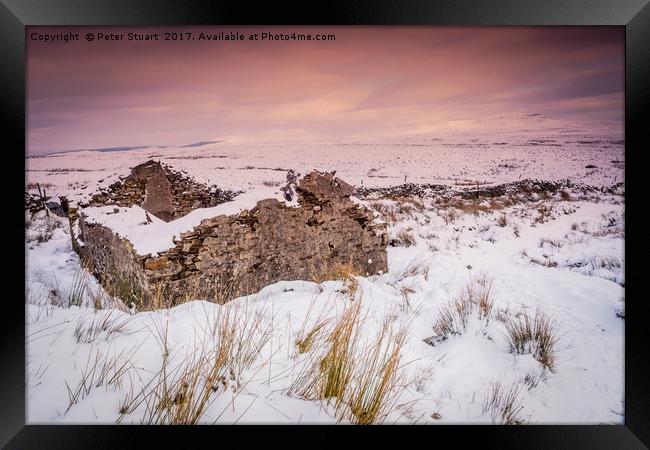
230	256
166	193
113	262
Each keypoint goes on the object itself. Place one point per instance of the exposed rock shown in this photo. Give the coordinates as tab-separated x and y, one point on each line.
158	196
155	263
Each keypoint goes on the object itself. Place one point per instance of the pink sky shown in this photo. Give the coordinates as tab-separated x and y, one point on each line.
372	82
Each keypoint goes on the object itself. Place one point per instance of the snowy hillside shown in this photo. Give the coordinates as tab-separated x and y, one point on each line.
503	308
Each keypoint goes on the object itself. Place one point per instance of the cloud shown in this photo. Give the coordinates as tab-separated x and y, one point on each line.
371	81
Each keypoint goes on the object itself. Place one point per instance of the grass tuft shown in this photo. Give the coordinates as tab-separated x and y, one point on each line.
101	324
403	238
363	380
347	272
504	405
536	336
475	300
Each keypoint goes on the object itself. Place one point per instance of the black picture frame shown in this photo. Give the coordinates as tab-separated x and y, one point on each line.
634	15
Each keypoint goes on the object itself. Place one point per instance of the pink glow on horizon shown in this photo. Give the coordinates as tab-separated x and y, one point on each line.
371	82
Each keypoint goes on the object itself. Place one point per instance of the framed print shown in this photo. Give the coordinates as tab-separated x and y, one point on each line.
379	215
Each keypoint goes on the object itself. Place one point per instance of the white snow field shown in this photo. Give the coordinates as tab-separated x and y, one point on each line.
91	359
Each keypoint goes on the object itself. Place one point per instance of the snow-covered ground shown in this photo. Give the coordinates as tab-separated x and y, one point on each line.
560	254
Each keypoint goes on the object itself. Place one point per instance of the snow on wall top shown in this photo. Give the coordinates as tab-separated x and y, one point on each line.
156	236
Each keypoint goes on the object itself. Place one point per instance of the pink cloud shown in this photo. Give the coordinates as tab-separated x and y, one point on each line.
371	81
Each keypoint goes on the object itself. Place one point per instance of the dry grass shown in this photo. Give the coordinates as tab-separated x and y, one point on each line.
219	289
449	216
233	341
386	211
157	300
33	185
305	340
249	327
311	329
452	208
42	230
413	269
397	208
181	397
544	214
101	370
336	368
98	298
403	238
106	325
474	300
550	242
546	262
406	205
363	381
77	290
405	292
536	336
606	262
347	272
378	381
473	208
504	405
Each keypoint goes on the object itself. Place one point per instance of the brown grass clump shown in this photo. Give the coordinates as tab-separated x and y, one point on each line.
504	405
403	238
311	331
386	211
183	400
474	300
181	394
414	268
449	216
158	299
362	380
546	262
305	342
336	367
347	272
398	208
472	208
378	380
407	204
536	335
544	214
217	289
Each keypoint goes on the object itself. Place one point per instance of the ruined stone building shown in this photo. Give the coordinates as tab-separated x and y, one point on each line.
229	254
162	191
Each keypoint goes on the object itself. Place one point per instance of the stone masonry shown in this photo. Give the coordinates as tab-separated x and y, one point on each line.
229	256
166	193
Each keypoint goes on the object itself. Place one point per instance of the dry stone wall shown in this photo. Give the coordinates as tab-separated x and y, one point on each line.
164	192
229	256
